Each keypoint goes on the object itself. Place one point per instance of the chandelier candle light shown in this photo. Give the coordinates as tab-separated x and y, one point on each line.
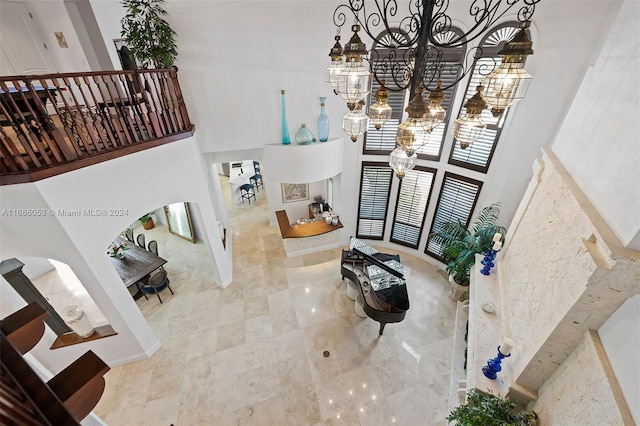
410	55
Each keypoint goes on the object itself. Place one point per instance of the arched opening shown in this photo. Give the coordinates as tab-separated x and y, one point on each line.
168	241
53	285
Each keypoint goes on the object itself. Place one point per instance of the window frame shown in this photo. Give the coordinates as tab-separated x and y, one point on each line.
380	165
488	51
423	169
474	204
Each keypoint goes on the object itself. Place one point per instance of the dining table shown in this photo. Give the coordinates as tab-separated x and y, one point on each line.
137	264
17	102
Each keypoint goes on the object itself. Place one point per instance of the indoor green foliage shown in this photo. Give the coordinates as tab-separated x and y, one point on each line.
490	410
460	246
148	34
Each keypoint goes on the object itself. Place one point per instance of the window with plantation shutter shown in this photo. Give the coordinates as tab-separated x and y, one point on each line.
413	199
478	155
330	191
456	202
374	200
431	150
383	140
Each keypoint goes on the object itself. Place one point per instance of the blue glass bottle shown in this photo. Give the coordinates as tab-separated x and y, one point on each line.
323	123
285	127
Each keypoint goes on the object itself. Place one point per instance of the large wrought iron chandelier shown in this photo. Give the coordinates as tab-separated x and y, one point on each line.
413	59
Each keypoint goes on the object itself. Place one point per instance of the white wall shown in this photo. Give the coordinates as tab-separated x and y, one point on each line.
599	143
235	56
35	267
620	336
80	241
53	17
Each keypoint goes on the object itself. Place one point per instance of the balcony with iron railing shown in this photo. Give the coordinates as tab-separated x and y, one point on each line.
56	123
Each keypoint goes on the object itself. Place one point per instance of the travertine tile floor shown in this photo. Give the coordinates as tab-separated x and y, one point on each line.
252	353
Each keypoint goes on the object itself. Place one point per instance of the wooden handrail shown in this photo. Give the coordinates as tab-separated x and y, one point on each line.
24	397
50	121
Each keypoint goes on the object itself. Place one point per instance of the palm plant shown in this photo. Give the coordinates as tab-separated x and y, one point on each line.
460	245
148	34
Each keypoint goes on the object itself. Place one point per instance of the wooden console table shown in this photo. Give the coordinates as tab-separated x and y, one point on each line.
303	230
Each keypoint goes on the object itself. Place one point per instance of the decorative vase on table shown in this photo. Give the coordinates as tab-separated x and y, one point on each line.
285	126
304	135
323	123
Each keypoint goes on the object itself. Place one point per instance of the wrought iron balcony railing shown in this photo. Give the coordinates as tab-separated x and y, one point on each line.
55	123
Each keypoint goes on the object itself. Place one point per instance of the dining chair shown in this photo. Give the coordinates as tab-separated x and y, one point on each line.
247	192
155	284
153	247
128	233
140	240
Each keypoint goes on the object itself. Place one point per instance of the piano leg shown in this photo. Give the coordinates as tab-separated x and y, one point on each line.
382	324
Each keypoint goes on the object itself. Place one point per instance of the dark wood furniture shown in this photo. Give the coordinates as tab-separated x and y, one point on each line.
25	399
380	279
303	230
137	264
21	102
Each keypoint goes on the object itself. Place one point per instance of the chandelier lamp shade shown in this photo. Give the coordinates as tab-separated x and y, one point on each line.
354	79
470	127
435	114
356	122
337	65
508	83
413	133
410	54
380	112
400	162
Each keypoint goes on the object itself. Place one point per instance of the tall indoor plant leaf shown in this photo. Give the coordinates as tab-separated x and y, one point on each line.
460	245
149	36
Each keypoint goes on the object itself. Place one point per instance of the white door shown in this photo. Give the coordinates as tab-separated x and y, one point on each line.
23	50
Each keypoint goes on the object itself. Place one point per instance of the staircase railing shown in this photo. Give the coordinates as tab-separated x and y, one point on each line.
59	122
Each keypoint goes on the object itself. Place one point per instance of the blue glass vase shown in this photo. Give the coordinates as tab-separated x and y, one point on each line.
304	135
323	123
285	127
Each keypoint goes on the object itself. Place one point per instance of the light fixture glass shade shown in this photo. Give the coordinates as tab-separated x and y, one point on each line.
435	114
353	83
355	124
434	117
401	163
332	72
505	86
468	129
412	134
380	112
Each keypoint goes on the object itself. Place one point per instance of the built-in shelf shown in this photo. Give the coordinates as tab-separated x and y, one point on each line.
303	163
303	230
69	339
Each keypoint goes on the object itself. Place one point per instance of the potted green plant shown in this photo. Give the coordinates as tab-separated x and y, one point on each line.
460	245
149	36
147	221
489	410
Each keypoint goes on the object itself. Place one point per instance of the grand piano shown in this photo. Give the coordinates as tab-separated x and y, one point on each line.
380	279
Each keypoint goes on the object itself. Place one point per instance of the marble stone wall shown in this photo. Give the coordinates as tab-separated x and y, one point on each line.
562	272
580	390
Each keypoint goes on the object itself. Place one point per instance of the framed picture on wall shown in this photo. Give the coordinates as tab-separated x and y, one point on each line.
295	192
